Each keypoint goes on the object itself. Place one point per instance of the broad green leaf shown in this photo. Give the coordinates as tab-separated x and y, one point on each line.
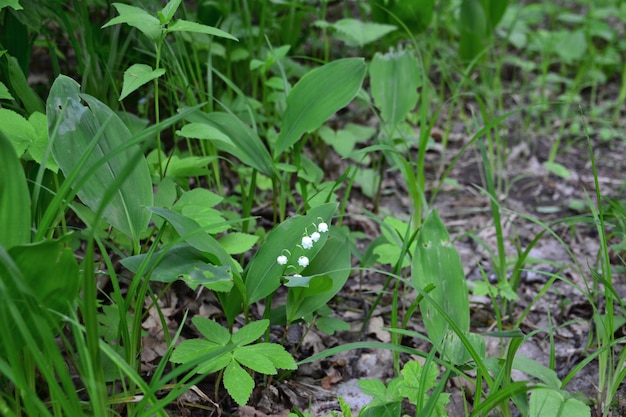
332	261
330	325
186	26
238	383
358	33
214	278
213	331
37	149
415	15
168	12
192	349
436	262
300	281
253	360
15	4
136	76
344	141
185	263
541	372
138	18
250	332
88	139
244	144
456	352
395	79
4	92
550	402
53	278
473	26
263	273
14	198
277	354
198	197
17	129
236	243
22	88
193	234
316	97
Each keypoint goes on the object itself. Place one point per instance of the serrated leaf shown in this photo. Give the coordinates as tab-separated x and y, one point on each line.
136	76
316	97
37	150
250	332
214	332
253	360
236	242
17	129
276	353
238	383
14	4
192	349
138	18
187	26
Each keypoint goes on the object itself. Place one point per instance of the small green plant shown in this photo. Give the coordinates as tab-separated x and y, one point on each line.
263	358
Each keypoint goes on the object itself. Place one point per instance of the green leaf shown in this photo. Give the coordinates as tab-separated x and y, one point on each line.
56	291
358	33
39	146
250	332
244	142
332	261
395	79
533	368
186	26
213	331
238	383
4	92
138	18
436	262
236	242
17	129
557	169
136	76
255	361
15	4
22	89
185	263
276	353
550	402
167	14
88	139
316	97
192	349
14	198
330	325
263	273
193	234
473	26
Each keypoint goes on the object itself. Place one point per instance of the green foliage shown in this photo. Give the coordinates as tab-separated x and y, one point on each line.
317	96
91	143
263	358
436	262
15	218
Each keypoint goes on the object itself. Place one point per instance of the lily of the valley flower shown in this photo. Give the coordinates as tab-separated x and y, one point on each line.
303	261
282	260
307	242
322	227
315	236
